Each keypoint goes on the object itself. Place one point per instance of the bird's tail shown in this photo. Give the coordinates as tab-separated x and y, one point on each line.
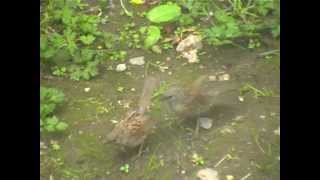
150	84
196	86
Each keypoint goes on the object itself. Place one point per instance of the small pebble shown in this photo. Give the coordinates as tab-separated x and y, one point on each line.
212	78
205	123
277	131
121	67
241	99
262	116
132	89
114	121
238	118
208	174
169	73
224	77
80	132
229	177
168	59
183	172
137	61
86	89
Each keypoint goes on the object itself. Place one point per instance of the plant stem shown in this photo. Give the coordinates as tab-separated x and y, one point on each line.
125	10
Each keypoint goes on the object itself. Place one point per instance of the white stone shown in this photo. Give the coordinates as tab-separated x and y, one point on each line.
224	77
121	67
137	61
241	99
277	131
86	89
208	174
229	177
191	56
205	123
212	78
191	42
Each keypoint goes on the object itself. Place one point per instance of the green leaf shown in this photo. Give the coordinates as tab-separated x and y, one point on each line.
61	126
87	39
137	1
164	13
153	35
52	120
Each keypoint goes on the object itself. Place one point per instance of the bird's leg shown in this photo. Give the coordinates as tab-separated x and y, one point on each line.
140	149
197	128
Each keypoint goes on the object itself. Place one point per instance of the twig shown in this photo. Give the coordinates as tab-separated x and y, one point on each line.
274	51
246	176
258	144
125	10
228	156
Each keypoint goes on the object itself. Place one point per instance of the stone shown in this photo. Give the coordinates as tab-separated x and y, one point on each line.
191	42
205	123
212	78
208	174
191	55
277	131
224	77
189	48
121	67
137	61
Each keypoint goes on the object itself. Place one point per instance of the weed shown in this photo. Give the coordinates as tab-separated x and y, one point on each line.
256	92
66	40
49	99
125	168
197	159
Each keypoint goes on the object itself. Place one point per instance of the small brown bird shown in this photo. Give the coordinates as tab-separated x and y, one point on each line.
137	125
199	101
188	103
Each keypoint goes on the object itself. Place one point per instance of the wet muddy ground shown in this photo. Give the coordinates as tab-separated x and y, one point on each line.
242	141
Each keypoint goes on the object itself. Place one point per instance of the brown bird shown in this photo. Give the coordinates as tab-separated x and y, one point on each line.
188	103
200	101
134	128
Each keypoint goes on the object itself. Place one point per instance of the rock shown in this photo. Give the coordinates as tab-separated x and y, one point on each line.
86	89
191	42
277	131
229	177
205	123
121	67
224	77
189	48
191	55
262	116
212	78
207	174
137	61
241	99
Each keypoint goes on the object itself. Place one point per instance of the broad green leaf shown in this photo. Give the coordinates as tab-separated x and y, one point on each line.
61	126
153	35
164	13
87	39
52	120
